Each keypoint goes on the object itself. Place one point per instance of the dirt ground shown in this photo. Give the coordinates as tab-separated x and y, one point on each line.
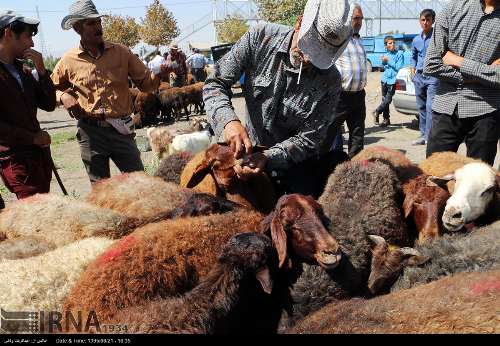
66	153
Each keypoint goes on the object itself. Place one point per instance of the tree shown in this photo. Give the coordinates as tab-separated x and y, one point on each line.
159	27
231	29
123	30
50	62
281	11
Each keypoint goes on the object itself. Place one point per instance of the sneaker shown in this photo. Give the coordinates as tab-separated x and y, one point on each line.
375	118
386	122
419	141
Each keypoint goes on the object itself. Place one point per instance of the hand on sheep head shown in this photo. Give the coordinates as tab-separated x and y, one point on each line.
237	137
251	166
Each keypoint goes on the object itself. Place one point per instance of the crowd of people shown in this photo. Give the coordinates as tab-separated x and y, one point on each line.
301	84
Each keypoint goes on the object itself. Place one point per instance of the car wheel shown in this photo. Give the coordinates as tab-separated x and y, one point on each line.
369	66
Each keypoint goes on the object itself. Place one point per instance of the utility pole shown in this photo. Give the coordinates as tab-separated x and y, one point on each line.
40	31
380	17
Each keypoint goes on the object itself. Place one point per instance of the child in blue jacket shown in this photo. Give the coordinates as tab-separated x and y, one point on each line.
392	62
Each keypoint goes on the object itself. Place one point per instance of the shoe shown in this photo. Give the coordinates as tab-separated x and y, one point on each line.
419	141
386	122
375	118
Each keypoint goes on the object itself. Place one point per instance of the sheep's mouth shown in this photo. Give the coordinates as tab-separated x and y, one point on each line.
454	227
328	259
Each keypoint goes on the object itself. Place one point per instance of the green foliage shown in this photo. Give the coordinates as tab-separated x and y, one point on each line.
231	29
159	27
123	30
62	137
281	11
50	62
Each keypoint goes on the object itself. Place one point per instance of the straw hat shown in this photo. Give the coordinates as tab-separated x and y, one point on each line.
80	10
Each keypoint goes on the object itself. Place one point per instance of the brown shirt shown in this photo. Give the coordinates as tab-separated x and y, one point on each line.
101	85
18	108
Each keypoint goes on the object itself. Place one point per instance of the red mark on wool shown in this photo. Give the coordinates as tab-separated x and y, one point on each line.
122	246
364	163
485	286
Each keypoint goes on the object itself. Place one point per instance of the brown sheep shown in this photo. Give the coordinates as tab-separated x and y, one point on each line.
147	105
164	86
207	185
218	162
219	302
423	201
169	257
137	195
464	303
171	167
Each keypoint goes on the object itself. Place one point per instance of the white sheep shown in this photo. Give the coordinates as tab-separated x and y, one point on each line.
41	283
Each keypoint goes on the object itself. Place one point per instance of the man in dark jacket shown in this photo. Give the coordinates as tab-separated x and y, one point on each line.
24	148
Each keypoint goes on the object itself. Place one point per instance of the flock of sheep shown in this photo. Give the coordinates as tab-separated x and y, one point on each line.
389	247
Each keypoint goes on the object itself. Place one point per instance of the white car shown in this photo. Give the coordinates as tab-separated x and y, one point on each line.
404	97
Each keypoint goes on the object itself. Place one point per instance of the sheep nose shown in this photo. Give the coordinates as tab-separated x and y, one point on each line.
457	215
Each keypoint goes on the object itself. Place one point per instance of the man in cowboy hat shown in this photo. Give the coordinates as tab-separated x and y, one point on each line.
92	84
176	61
25	162
291	90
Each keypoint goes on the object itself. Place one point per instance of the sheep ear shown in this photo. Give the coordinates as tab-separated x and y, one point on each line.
377	240
412	257
265	224
408	205
440	181
278	235
264	277
200	172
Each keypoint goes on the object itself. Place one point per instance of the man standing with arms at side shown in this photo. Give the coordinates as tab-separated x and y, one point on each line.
464	54
176	61
25	161
92	84
197	64
352	67
425	86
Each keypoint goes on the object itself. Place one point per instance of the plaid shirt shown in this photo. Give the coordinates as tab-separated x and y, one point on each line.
291	119
463	28
352	66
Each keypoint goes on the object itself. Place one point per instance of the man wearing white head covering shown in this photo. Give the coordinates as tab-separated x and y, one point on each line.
291	90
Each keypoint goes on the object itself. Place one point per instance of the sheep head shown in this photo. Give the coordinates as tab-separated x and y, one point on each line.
250	252
424	202
388	263
476	186
298	222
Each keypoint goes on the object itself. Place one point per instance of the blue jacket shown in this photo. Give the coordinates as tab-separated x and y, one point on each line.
391	68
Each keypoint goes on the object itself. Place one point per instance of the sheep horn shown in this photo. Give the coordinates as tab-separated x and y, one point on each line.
377	240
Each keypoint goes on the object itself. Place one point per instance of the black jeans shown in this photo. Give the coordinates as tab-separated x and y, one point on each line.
388	91
352	109
308	177
2	203
481	135
198	74
100	144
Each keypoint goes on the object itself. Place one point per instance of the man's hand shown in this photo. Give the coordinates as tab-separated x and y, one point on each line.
453	60
42	139
37	59
251	166
496	62
72	106
385	59
237	137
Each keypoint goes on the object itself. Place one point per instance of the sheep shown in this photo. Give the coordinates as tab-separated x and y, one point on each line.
159	139
171	103
57	221
41	283
207	184
190	142
463	303
147	105
216	304
218	161
444	163
164	86
24	247
476	197
170	257
355	211
137	195
407	267
171	167
424	201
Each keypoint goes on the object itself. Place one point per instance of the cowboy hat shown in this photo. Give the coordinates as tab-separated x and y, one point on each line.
80	10
325	31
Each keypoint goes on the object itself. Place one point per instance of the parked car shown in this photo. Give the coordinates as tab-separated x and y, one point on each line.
375	49
404	99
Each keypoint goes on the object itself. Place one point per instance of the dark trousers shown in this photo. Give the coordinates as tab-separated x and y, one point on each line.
425	90
100	144
198	74
27	173
2	203
388	91
308	177
480	134
352	109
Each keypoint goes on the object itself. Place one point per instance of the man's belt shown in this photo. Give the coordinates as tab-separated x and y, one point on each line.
95	122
